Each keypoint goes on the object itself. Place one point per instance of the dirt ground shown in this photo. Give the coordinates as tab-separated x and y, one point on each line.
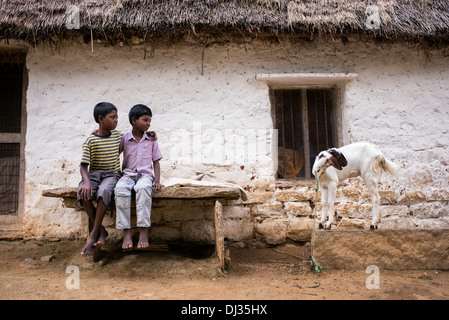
37	270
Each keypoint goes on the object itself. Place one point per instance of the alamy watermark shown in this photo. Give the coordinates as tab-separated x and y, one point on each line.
373	281
73	280
373	17
73	17
201	144
372	21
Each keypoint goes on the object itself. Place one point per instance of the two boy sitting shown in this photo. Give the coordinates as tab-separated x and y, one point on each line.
100	172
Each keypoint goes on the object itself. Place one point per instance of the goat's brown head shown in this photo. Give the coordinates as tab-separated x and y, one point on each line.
325	159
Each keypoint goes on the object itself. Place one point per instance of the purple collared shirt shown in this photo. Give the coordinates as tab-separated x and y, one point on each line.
138	157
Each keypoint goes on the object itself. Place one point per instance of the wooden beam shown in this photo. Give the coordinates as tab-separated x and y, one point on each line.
220	250
304	80
305	133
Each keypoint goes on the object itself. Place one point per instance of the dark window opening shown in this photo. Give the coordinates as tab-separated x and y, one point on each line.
11	86
11	97
305	120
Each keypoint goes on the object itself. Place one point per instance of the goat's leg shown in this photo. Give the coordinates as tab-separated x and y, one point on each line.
375	200
331	195
324	204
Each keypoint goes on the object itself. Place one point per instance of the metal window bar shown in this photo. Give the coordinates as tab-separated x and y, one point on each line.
283	138
292	129
305	123
325	119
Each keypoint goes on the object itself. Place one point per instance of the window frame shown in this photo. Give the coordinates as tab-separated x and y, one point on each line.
11	224
308	81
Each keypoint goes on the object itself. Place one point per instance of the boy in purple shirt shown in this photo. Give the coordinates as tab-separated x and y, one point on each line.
141	156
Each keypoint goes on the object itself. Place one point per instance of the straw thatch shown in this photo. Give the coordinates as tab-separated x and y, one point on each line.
406	19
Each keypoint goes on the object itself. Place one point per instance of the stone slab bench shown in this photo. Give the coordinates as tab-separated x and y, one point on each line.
172	192
212	193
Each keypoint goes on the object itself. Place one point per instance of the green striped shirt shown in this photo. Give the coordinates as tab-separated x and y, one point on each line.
102	153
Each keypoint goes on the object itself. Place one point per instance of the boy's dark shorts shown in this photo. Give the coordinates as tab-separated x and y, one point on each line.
103	183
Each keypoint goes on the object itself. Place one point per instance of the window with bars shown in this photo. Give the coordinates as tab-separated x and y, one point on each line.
11	88
306	124
9	177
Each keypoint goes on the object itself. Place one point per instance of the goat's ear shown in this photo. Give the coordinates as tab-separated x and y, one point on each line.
334	162
339	157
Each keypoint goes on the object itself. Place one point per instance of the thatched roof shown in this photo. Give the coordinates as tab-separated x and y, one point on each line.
405	19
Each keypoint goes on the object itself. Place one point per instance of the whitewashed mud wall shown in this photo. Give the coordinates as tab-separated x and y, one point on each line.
399	101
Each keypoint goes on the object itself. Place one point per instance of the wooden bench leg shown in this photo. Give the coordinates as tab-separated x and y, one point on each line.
222	253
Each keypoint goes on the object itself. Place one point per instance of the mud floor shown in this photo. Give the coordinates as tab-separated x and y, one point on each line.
36	270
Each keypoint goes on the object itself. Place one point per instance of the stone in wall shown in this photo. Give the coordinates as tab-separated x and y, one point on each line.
238	229
268	210
299	194
428	210
388	196
298	208
164	233
351	192
186	210
410	197
439	195
353	209
352	224
198	231
259	197
236	212
237	223
301	228
272	231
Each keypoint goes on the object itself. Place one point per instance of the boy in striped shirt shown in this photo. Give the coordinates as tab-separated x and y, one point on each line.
100	171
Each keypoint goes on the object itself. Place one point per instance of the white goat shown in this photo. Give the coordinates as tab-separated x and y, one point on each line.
358	159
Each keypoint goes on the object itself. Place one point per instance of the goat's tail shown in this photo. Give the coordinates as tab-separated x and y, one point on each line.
389	166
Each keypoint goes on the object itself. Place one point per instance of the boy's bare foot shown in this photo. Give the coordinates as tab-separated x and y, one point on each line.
127	240
88	249
143	239
102	237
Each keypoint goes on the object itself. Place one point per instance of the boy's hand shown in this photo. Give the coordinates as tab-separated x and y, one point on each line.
158	186
85	191
152	134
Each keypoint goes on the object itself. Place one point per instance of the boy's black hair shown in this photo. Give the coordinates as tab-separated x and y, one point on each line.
102	109
137	111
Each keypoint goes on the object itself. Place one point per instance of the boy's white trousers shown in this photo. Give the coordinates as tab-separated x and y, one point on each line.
123	190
